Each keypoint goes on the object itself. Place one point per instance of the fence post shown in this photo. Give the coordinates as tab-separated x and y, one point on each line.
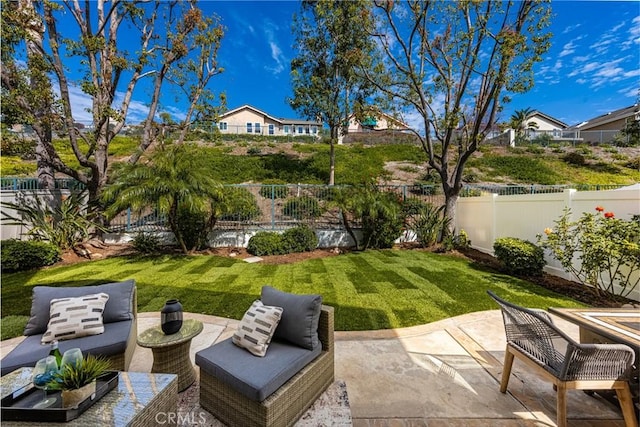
128	226
273	206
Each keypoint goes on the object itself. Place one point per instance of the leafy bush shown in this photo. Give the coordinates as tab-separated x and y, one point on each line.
382	220
64	221
520	257
607	249
13	145
574	158
238	204
633	164
254	151
303	207
18	255
430	225
300	239
146	243
274	188
266	243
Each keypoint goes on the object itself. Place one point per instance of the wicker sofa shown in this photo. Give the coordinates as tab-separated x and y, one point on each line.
117	342
535	340
236	406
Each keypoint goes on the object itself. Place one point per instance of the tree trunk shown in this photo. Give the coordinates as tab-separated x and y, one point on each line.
450	202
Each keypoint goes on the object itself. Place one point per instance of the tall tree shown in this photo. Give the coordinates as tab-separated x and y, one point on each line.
330	43
27	95
90	35
454	63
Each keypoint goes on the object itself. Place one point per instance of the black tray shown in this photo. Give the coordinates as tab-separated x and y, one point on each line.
18	406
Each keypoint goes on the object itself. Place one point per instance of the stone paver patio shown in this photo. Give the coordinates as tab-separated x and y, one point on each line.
444	373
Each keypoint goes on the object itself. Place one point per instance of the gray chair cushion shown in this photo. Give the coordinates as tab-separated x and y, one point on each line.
28	352
118	308
300	316
255	377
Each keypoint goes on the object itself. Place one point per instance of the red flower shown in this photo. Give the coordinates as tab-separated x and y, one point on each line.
599	208
608	215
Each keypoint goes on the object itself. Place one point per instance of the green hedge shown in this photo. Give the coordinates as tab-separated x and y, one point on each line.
18	255
519	257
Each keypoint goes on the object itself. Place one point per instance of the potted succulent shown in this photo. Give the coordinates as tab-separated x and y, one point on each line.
77	381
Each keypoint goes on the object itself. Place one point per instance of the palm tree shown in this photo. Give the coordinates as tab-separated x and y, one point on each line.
519	123
176	182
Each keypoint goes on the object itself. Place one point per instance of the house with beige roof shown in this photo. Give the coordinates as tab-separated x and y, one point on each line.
249	120
605	127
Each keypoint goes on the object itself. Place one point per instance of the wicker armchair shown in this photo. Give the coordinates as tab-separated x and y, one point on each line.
535	340
285	406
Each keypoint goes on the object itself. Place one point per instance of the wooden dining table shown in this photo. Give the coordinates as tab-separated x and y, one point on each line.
605	325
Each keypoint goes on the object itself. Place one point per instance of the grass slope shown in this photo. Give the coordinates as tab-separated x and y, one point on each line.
369	290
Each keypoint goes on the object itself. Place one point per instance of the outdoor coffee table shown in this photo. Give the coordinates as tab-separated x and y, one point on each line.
140	399
171	352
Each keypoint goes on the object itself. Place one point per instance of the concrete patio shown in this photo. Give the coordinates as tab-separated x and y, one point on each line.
444	373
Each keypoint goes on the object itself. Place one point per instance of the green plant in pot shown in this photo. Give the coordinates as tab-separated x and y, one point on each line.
77	380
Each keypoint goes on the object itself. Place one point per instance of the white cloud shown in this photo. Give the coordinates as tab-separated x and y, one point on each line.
567	49
571	28
270	30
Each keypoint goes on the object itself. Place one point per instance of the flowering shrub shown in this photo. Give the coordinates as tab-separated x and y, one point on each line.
599	249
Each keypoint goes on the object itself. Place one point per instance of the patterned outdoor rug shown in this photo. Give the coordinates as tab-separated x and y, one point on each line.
331	409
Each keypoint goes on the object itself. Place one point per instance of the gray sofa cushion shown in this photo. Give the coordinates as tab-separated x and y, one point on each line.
28	352
256	378
300	316
118	308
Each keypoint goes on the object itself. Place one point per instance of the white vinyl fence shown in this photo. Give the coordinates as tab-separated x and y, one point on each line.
489	217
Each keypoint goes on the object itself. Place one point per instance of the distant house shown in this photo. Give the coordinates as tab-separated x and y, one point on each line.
249	120
605	127
539	122
536	124
375	122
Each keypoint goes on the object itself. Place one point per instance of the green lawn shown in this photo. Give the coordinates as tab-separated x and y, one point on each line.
369	290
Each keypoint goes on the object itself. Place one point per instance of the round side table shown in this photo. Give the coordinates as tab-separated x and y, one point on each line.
171	352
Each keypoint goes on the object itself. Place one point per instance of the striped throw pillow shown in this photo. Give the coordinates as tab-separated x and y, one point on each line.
257	327
75	317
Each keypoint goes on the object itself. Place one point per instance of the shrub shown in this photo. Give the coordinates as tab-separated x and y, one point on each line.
274	188
430	225
254	151
382	220
574	158
300	239
599	249
303	207
146	243
520	257
64	221
266	243
18	255
238	204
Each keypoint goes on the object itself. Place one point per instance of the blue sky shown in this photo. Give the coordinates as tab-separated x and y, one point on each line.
592	67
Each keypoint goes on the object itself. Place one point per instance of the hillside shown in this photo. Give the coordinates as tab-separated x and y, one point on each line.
262	160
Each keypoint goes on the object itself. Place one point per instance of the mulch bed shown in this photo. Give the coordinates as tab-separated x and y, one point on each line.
557	284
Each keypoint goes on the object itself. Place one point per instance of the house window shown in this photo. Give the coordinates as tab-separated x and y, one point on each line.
223	126
286	129
300	129
306	130
314	130
271	130
257	128
249	128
